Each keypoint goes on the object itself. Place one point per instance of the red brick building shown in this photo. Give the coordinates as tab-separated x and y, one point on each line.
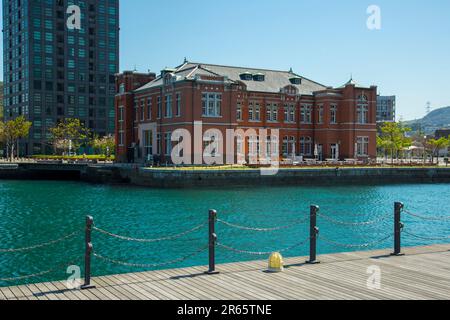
315	121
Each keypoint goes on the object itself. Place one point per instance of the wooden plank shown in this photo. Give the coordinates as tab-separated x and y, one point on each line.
104	294
192	283
424	273
122	290
27	292
17	292
153	287
136	282
101	294
8	293
104	286
37	293
286	290
209	286
219	287
275	283
2	296
355	283
59	290
129	292
392	272
428	284
182	286
62	287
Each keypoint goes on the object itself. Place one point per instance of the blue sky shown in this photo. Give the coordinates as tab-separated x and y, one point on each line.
322	40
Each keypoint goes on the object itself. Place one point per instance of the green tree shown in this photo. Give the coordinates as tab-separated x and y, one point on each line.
69	135
393	139
11	132
105	145
435	145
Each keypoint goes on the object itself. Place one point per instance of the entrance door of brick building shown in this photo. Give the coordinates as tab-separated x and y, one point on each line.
320	152
334	151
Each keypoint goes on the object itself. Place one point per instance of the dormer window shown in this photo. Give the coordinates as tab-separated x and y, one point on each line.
246	76
362	98
296	80
259	77
167	73
291	90
168	78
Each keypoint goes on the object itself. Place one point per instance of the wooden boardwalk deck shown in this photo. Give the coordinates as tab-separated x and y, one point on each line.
423	273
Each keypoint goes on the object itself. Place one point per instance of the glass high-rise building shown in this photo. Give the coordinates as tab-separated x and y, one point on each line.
386	111
60	58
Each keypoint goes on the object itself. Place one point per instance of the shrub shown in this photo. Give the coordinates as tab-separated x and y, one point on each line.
73	158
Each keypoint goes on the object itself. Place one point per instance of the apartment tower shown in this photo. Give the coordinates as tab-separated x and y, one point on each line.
60	58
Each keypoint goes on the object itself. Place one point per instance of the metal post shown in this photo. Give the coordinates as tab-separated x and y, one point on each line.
88	253
398	226
212	242
313	231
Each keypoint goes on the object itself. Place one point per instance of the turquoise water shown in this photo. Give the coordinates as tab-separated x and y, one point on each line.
34	212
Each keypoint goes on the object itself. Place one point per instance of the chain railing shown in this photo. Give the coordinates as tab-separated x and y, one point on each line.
90	226
213	240
168	238
400	227
259	229
152	265
424	237
38	274
41	245
315	234
254	253
423	217
353	246
35	247
347	223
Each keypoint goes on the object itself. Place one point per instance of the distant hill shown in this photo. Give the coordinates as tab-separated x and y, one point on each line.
437	119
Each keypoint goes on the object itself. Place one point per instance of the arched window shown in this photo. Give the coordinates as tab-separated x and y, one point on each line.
168	79
362	98
253	149
333	114
320	114
285	147
290	90
213	146
362	110
306	114
292	146
305	146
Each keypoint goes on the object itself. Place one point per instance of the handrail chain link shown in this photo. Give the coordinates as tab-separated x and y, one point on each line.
38	274
443	218
262	253
173	237
236	226
345	223
41	245
153	265
365	245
